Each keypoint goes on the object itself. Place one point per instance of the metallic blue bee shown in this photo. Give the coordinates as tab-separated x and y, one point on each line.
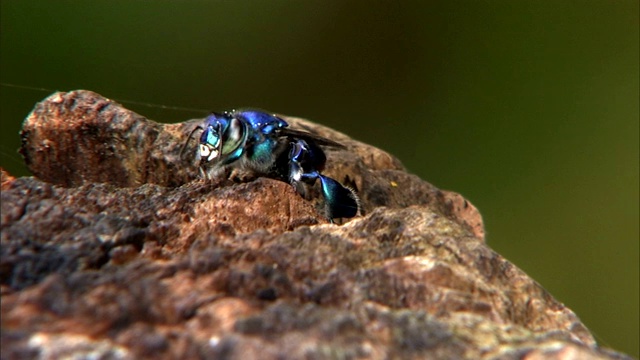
252	142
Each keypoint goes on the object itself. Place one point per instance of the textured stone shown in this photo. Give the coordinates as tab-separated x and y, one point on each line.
116	250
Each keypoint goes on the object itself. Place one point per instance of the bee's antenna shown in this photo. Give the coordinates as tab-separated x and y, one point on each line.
184	147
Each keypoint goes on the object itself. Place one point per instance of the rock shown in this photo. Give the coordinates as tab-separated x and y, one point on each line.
117	250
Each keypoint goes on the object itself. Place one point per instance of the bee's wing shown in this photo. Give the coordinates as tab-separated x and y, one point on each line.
298	134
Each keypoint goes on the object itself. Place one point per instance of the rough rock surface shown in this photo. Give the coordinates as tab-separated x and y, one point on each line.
116	250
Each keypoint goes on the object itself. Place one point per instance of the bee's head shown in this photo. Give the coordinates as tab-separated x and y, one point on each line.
222	135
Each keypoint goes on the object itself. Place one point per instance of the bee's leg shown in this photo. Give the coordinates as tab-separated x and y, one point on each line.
214	173
203	173
241	175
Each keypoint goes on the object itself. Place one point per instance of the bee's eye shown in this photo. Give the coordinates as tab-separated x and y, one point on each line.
234	136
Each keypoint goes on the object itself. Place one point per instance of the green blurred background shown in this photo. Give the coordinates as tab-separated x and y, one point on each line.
528	108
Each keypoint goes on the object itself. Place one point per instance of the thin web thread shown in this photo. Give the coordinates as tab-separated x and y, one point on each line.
140	103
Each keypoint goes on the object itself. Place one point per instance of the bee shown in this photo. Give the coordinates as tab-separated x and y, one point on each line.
262	144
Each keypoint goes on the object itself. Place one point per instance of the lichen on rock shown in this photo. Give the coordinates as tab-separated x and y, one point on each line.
116	249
